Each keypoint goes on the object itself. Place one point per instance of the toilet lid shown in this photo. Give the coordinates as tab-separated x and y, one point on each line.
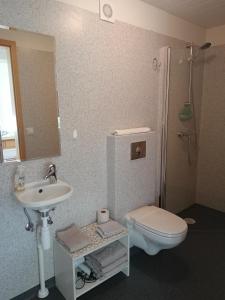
158	220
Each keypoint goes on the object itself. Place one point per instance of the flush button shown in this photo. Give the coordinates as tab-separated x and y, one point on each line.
138	150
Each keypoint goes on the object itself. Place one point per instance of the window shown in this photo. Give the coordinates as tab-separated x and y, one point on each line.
11	124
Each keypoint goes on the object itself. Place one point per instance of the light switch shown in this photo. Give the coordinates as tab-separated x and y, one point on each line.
30	131
75	134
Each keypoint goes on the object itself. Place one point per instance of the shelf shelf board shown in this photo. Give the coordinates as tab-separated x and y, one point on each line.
96	241
91	285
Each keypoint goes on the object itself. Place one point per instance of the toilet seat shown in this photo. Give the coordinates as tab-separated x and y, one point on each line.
158	221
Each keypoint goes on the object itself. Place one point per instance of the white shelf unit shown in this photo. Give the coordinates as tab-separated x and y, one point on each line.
64	262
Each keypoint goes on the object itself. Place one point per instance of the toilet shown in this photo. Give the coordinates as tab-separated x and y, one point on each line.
132	193
153	229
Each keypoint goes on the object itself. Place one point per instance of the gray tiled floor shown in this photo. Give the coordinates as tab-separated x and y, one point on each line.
195	270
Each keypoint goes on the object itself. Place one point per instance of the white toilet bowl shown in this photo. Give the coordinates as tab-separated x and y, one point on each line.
153	229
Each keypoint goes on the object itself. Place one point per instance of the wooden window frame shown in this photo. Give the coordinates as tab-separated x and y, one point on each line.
16	87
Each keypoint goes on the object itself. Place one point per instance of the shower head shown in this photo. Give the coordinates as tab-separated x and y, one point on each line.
205	46
193	55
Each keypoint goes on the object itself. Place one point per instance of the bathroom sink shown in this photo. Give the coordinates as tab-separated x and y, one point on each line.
42	195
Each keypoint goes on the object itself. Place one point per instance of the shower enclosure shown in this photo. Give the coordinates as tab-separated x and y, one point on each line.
182	78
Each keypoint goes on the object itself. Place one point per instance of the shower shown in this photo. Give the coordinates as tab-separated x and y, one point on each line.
180	123
192	57
190	46
188	111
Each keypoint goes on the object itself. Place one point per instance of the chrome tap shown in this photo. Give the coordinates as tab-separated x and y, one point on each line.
51	175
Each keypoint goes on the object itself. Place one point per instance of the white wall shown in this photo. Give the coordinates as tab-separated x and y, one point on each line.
105	81
211	163
216	35
138	13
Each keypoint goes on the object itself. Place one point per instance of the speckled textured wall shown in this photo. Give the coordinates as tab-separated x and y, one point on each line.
131	183
105	81
211	164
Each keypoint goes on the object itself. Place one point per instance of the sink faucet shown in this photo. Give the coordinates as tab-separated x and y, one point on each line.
51	175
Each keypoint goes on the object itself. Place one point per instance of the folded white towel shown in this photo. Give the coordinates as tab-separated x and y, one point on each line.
109	254
72	238
109	229
99	271
131	131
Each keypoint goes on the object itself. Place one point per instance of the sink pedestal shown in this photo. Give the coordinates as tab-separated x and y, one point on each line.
43	243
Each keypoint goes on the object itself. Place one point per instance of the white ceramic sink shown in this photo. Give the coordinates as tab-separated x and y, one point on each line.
42	195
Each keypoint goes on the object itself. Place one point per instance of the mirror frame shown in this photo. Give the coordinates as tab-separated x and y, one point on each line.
18	100
18	107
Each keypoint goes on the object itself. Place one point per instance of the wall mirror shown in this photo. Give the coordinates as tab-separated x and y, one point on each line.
29	119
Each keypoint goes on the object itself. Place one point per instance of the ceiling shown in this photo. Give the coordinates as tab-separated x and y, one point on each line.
205	13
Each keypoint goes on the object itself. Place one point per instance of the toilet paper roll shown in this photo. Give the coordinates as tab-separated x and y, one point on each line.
102	216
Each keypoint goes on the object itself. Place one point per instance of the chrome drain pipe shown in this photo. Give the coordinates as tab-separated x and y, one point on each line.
29	226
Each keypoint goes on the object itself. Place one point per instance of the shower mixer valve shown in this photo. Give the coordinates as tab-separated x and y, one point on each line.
182	134
188	135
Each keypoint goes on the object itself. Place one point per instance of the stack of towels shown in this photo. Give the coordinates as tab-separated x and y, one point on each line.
109	229
105	260
72	238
